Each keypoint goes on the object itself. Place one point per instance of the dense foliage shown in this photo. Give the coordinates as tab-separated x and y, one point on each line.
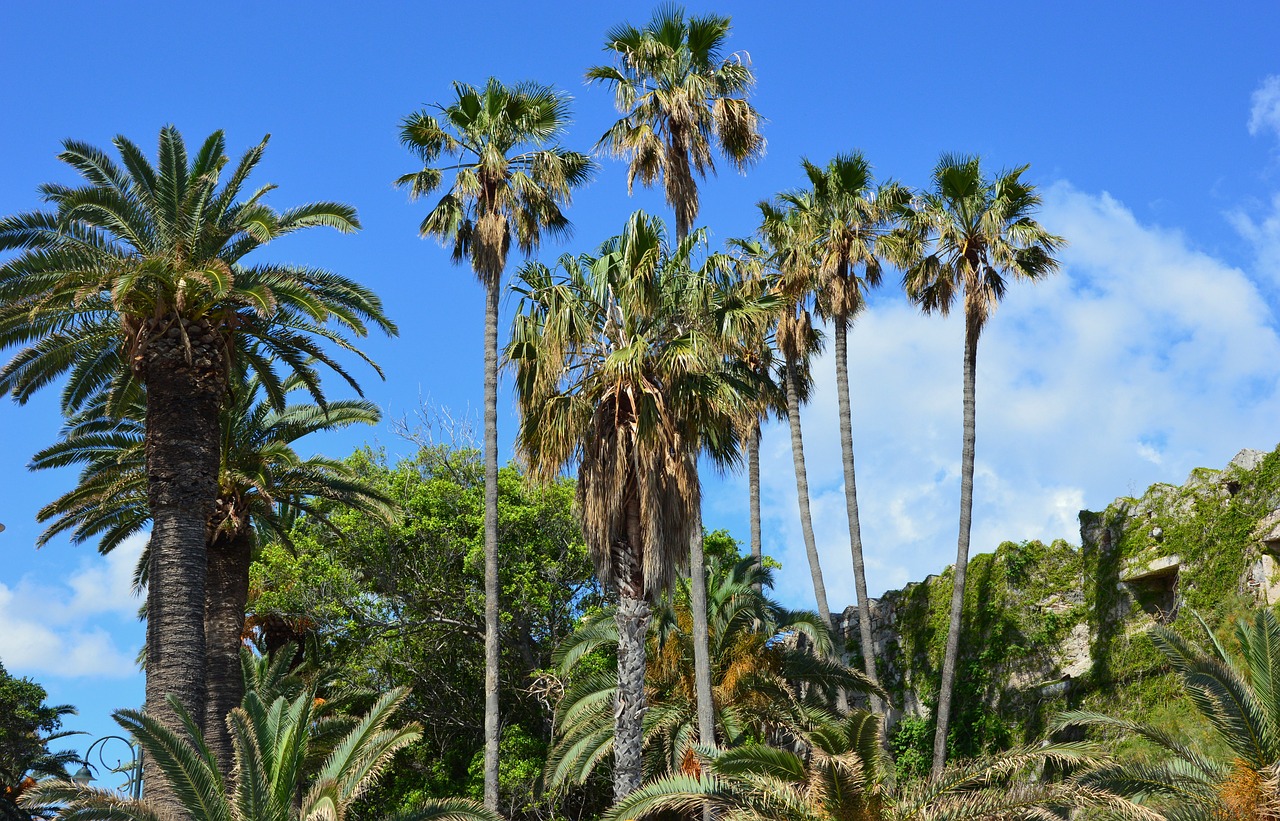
27	726
404	605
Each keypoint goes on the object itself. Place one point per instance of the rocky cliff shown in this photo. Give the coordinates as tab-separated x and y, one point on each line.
1058	625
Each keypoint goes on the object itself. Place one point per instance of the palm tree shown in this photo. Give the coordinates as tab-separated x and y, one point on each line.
263	485
964	238
284	770
681	99
766	685
788	249
511	180
139	277
1240	701
846	216
758	354
619	371
839	772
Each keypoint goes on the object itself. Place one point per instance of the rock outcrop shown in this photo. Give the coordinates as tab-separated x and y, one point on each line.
1058	625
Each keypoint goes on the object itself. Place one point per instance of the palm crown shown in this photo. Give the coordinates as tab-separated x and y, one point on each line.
139	253
764	684
620	370
285	770
263	483
510	177
838	771
680	97
979	231
1239	695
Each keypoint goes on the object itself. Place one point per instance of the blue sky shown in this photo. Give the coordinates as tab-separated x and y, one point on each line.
1154	130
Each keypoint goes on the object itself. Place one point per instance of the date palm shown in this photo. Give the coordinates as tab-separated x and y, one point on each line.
838	772
619	372
965	238
766	685
511	179
263	484
1239	695
285	769
140	275
846	216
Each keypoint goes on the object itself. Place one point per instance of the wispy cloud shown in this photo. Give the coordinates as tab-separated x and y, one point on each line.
75	628
1264	115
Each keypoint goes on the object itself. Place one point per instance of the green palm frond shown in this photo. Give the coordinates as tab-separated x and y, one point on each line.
682	100
762	685
1238	700
511	177
139	242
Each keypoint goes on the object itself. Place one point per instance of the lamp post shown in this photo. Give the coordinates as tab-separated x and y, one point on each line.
133	767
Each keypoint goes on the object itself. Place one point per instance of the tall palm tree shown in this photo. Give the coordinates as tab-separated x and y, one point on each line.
846	216
838	772
263	485
619	371
511	179
965	237
140	276
1239	695
682	99
284	769
759	355
766	684
788	249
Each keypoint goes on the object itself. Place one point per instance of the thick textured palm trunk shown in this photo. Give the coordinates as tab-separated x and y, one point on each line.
628	735
851	506
184	388
962	548
226	596
492	727
806	519
753	491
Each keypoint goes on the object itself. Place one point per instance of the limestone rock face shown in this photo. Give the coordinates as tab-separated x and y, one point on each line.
1059	625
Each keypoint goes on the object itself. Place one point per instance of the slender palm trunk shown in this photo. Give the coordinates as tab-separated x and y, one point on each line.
753	484
492	730
806	519
226	595
851	505
697	561
962	546
184	397
701	635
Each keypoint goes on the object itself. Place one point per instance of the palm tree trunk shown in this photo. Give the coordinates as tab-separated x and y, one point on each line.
851	505
753	484
184	397
962	547
806	519
226	596
492	730
701	634
628	737
697	561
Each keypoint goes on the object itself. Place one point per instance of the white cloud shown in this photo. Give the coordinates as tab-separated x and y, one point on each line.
1141	359
74	628
1265	112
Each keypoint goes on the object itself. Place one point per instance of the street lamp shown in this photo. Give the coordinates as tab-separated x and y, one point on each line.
133	767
